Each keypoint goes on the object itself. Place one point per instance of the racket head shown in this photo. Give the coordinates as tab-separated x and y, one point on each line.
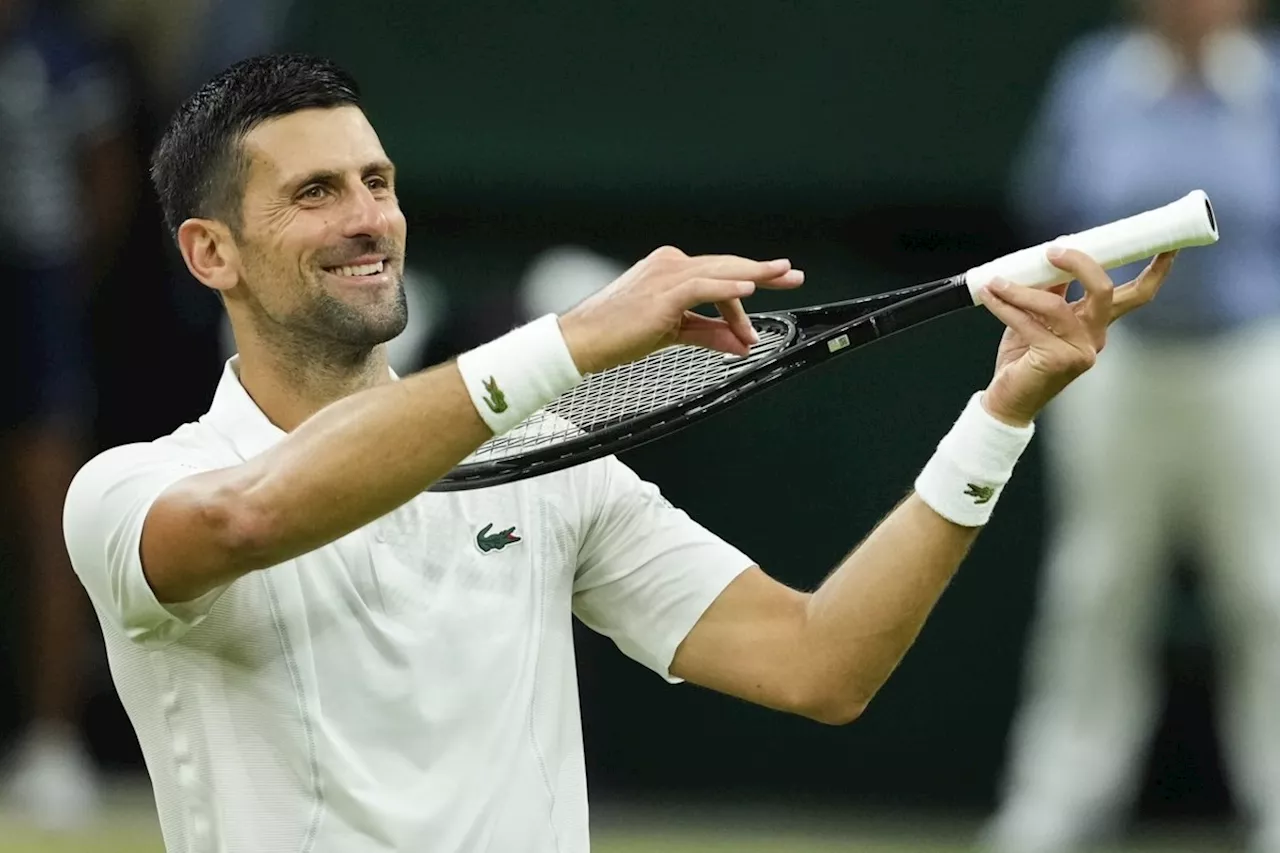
622	408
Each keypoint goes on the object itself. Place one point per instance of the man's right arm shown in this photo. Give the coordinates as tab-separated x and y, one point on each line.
361	457
354	461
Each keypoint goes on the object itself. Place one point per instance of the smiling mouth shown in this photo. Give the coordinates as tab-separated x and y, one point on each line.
358	270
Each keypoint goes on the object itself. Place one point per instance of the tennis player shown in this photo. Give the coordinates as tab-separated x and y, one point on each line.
319	655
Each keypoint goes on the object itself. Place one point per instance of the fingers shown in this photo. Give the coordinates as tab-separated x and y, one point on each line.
724	280
734	267
789	279
1055	330
698	291
736	317
669	262
1095	309
710	332
996	297
1144	288
1049	309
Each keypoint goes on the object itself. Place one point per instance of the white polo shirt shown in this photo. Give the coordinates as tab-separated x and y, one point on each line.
410	687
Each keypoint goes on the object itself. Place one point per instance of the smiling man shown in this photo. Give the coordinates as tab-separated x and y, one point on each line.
319	655
316	654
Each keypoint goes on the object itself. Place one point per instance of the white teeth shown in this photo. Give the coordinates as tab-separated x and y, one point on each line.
363	269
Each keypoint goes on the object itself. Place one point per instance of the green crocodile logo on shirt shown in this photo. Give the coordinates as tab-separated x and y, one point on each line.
496	401
487	541
980	494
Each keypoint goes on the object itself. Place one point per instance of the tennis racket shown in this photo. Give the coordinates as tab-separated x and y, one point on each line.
635	403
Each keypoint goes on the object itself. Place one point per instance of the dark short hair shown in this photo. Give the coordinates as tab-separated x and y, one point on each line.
199	167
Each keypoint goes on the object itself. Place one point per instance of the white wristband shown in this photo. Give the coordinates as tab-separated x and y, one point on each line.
963	480
513	376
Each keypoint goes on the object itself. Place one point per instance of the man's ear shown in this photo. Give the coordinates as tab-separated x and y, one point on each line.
210	253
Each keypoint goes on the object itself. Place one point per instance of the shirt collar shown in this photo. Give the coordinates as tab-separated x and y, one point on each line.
235	415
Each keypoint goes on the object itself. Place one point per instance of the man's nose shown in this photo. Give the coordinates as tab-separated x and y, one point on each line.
366	216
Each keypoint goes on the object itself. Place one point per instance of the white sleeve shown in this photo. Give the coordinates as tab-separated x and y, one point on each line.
102	520
646	571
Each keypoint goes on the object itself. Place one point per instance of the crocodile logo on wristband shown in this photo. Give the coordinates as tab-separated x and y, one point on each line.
496	400
980	494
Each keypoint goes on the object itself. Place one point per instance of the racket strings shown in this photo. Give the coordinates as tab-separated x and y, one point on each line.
622	393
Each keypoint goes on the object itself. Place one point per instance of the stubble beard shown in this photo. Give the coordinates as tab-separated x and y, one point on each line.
326	330
354	327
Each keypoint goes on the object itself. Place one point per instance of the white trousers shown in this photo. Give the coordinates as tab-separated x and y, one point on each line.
1159	445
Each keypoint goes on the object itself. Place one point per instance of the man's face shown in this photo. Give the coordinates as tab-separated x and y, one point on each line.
322	238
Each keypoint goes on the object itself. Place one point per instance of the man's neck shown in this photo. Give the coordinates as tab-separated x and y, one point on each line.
290	384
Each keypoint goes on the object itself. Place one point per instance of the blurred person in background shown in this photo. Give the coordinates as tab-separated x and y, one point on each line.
172	46
1170	444
181	43
66	171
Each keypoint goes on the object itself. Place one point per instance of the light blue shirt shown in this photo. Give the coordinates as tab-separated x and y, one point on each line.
1111	141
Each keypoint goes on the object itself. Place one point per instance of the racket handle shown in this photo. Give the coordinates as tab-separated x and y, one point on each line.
1189	221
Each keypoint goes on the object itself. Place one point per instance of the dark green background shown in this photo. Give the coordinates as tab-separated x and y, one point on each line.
820	103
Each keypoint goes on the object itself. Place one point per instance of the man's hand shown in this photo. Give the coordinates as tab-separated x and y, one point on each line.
1049	341
648	307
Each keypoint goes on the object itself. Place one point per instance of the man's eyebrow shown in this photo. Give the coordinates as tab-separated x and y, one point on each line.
334	176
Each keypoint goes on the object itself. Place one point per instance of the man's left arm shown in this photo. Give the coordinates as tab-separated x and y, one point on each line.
826	654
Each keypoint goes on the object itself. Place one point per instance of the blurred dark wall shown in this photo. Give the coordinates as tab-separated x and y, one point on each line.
868	142
820	103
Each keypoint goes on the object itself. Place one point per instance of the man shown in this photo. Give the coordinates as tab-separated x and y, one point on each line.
1170	447
319	655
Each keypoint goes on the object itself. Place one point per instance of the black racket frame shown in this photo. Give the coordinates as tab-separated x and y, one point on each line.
812	336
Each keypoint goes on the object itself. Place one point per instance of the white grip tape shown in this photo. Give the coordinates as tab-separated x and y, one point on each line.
513	376
1187	222
966	474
